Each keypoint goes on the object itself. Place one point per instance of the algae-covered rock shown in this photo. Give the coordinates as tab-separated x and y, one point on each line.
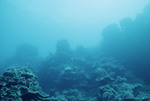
20	85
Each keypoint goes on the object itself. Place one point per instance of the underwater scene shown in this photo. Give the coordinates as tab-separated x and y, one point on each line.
79	50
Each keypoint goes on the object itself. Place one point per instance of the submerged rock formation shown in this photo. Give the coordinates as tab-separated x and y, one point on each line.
20	85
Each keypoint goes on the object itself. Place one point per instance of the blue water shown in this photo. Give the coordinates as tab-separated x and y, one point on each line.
73	58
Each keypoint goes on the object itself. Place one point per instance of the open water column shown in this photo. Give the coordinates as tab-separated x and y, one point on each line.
78	50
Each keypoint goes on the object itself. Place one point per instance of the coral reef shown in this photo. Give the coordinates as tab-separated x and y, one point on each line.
73	95
103	80
129	42
73	76
77	79
20	85
115	70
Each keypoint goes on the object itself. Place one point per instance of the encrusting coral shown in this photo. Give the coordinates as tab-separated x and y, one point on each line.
20	85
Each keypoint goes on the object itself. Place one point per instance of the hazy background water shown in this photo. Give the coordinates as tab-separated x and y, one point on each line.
42	23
